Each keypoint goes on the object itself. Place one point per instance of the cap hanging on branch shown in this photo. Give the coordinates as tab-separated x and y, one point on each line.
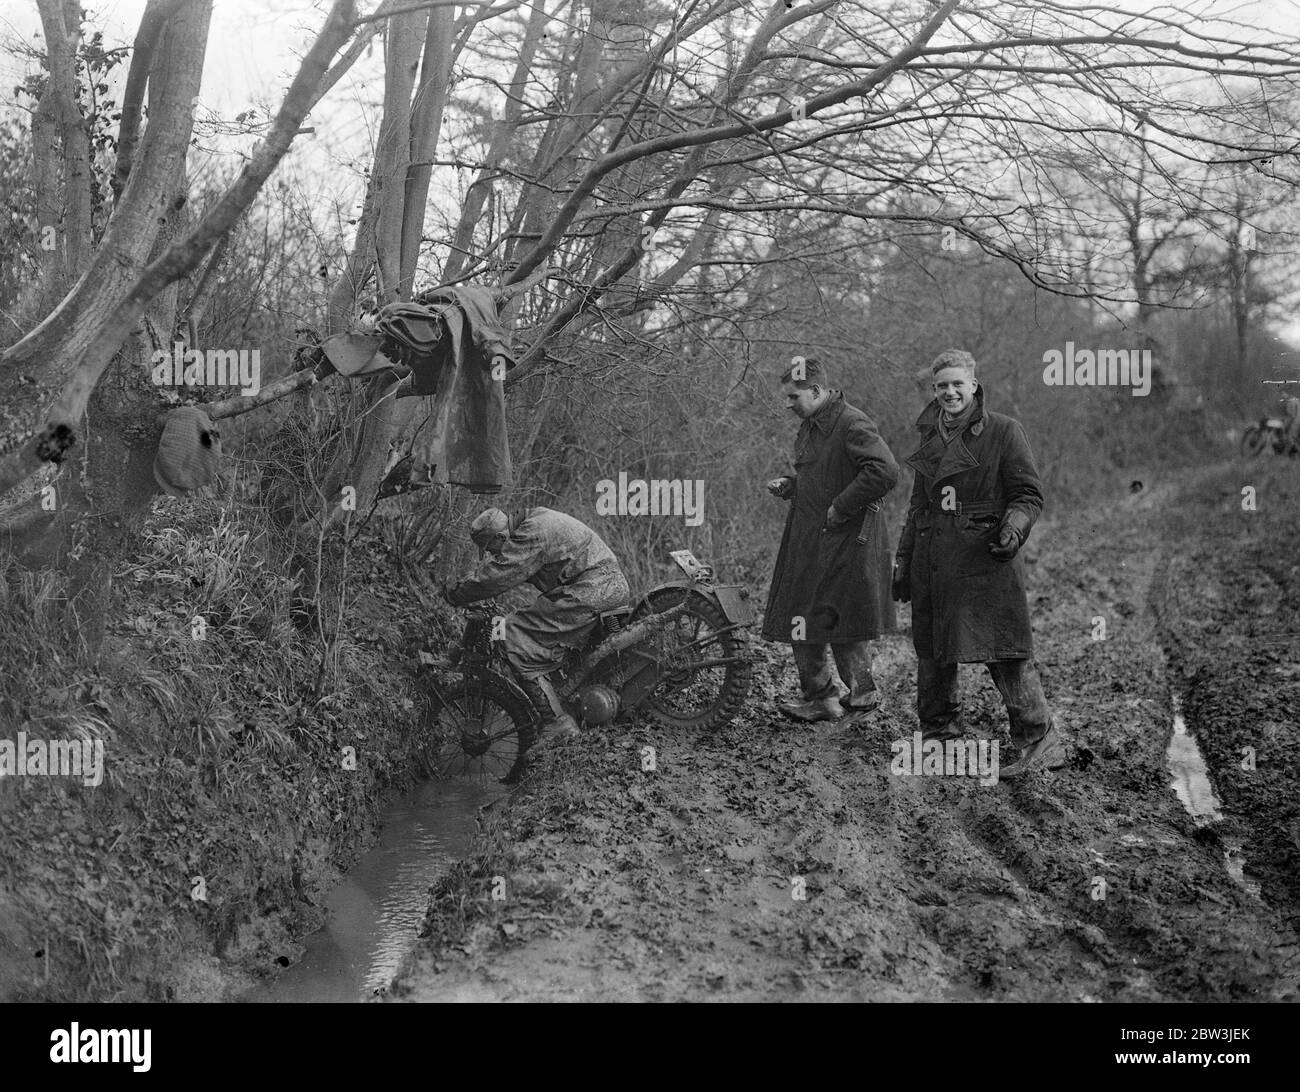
188	453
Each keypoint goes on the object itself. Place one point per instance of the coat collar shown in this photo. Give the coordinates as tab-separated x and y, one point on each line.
936	460
824	419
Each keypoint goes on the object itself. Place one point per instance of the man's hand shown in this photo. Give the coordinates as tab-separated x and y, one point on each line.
834	521
781	487
901	588
451	593
1007	546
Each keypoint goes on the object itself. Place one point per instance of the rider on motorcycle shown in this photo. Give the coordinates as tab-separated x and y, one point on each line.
578	577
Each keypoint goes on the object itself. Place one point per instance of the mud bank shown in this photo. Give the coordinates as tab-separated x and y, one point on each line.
243	772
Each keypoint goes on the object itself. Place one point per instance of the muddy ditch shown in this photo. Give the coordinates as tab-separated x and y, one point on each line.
373	912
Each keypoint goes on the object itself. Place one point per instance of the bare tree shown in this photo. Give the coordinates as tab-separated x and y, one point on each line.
121	299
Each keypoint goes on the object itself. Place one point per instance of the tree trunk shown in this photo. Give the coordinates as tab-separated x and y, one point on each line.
408	137
101	496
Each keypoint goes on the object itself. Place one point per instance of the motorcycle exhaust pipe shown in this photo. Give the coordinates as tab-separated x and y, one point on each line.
624	638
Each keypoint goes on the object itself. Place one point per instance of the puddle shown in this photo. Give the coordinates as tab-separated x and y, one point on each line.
1191	781
1191	777
377	907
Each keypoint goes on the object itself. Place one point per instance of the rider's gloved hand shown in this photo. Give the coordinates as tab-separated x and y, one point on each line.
453	595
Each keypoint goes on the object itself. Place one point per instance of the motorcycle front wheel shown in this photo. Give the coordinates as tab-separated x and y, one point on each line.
480	731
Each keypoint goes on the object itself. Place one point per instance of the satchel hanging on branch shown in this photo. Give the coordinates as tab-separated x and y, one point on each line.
188	453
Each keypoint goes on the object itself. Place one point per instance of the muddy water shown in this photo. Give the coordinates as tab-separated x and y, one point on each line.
1192	784
1188	769
375	910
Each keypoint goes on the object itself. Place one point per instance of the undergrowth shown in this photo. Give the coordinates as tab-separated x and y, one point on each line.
245	746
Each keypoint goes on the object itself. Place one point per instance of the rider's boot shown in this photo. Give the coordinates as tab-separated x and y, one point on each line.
552	717
548	716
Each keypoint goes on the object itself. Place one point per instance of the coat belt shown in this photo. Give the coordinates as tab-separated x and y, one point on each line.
969	508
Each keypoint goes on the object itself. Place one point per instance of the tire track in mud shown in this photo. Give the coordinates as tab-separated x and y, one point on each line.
682	882
1229	611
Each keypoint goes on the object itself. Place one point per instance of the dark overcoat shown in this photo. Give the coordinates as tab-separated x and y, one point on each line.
968	607
835	580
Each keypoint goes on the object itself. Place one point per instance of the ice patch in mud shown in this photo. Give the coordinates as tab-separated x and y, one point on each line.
1192	784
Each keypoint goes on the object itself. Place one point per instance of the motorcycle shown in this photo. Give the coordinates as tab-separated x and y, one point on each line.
679	655
1270	433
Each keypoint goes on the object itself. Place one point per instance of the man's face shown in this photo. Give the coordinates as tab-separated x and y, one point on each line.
493	545
955	389
803	403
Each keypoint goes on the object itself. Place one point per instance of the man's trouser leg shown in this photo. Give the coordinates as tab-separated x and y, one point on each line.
534	650
853	661
937	702
818	685
541	693
816	680
1022	693
537	646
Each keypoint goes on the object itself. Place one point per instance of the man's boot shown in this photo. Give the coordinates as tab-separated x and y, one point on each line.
809	711
1047	753
543	718
550	715
942	733
853	662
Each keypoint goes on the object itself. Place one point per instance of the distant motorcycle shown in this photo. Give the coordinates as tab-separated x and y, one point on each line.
679	655
1268	434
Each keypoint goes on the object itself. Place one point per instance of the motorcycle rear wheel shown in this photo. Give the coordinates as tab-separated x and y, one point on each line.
705	697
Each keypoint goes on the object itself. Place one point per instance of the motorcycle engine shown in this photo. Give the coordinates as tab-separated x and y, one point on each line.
599	704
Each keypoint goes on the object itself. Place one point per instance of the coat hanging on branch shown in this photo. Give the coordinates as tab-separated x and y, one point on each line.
450	347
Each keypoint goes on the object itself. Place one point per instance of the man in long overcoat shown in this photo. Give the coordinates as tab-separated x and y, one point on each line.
974	500
830	589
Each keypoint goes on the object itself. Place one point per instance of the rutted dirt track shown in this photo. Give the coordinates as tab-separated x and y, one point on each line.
617	883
